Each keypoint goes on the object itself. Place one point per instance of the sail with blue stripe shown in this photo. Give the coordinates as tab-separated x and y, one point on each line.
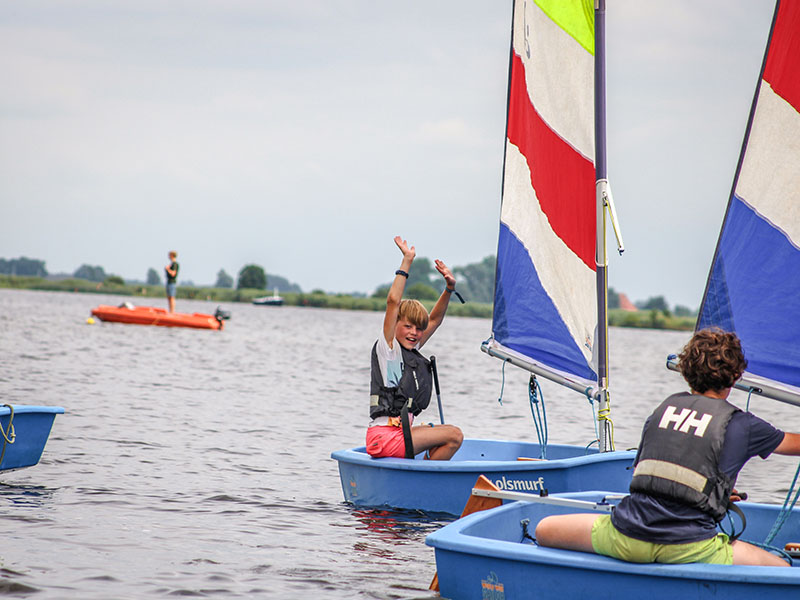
545	305
753	287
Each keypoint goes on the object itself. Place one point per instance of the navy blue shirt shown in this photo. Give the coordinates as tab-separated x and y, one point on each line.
662	521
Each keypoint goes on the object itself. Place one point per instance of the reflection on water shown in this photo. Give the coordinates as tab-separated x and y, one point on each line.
197	463
383	530
24	495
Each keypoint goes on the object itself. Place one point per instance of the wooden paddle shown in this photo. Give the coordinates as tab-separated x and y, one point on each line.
474	504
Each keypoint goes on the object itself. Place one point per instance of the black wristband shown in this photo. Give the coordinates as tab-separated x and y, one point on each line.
449	291
401	272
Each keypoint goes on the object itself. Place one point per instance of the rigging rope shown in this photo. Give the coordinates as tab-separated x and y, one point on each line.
9	436
503	384
594	419
525	535
788	504
786	509
773	549
539	414
766	545
539	411
601	416
605	421
749	395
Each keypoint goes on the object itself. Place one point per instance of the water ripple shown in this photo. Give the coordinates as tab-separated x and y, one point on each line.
196	463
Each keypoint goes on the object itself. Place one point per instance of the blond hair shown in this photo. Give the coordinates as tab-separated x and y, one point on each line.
414	312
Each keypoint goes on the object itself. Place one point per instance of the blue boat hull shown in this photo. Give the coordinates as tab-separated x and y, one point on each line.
31	425
445	486
482	556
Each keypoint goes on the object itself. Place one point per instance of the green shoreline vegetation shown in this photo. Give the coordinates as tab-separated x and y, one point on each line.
643	319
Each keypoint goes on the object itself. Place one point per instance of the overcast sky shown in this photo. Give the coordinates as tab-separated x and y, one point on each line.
302	136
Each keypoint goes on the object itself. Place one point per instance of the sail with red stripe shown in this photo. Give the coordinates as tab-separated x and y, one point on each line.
545	306
754	284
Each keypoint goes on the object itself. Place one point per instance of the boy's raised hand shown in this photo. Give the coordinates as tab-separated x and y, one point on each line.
403	245
448	276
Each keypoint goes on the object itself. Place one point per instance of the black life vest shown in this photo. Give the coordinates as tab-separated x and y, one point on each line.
416	384
679	453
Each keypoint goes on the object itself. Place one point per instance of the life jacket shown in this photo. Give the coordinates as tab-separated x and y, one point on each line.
679	453
416	384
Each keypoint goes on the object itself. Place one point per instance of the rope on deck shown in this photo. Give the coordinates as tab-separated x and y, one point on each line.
9	436
539	414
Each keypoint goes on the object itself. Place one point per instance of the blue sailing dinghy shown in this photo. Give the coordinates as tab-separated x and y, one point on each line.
488	555
753	290
444	486
550	304
25	430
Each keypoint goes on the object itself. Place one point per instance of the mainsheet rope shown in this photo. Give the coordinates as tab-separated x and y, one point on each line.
602	415
539	411
596	439
783	514
786	509
788	503
9	436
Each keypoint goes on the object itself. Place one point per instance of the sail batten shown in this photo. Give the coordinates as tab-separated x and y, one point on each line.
754	283
545	305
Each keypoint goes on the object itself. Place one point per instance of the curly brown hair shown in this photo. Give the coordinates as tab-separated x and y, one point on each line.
712	360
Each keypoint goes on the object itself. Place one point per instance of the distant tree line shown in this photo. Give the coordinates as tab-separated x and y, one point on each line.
91	273
475	282
659	303
656	303
23	266
250	277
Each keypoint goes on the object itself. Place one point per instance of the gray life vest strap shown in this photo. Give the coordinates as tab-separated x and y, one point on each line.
409	443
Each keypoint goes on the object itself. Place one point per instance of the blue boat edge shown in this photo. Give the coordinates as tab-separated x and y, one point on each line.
32	425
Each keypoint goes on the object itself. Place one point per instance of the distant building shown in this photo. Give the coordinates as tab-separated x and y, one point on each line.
626	304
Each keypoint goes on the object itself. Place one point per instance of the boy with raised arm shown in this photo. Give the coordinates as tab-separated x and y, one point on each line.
401	376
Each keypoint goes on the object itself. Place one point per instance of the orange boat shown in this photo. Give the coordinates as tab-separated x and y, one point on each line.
148	315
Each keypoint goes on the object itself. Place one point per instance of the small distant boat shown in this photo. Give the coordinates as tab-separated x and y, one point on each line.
25	430
273	300
148	315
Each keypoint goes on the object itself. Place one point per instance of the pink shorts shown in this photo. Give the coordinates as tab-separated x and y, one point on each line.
385	440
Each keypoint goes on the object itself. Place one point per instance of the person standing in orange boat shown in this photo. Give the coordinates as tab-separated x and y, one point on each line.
171	271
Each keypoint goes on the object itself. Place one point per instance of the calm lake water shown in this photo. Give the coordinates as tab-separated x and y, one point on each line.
197	463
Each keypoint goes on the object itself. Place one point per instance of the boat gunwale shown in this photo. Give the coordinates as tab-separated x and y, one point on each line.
359	456
20	409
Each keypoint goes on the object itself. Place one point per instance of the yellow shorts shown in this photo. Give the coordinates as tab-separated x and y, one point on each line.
607	540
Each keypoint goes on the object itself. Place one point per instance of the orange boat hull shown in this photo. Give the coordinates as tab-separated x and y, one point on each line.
148	315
